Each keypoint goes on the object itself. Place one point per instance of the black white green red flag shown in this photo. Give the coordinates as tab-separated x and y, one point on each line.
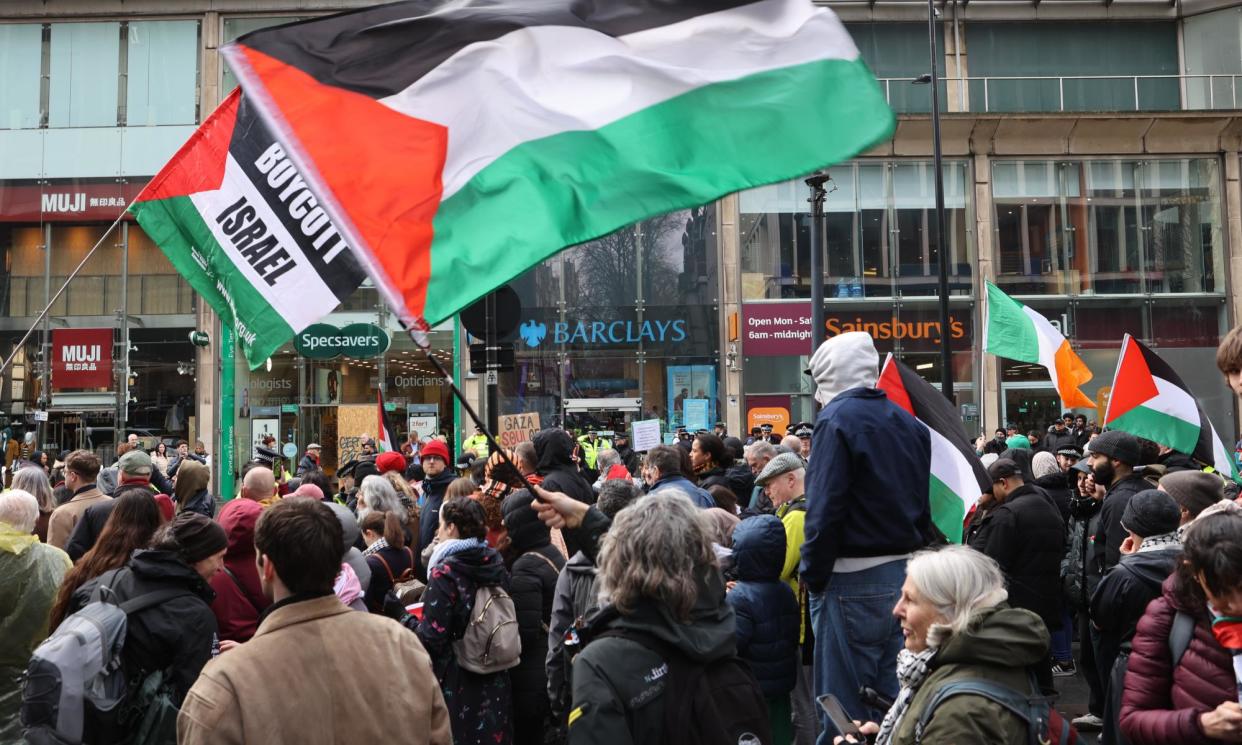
459	144
387	435
957	475
1148	399
236	220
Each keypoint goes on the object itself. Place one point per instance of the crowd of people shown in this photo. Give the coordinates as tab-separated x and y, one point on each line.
572	590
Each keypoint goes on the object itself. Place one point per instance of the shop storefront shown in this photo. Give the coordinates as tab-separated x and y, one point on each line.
621	329
881	277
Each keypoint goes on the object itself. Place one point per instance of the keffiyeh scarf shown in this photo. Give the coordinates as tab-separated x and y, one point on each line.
454	546
912	670
1158	542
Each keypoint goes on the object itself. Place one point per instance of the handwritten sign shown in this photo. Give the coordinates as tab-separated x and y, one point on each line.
646	434
352	423
515	428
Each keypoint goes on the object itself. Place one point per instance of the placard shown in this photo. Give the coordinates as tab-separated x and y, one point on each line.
646	434
695	414
422	426
514	428
261	428
352	422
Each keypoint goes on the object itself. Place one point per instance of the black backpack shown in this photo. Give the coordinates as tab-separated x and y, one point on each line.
1045	725
717	703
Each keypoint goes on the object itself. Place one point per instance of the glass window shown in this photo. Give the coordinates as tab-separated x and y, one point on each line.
235	27
21	60
1073	50
897	53
1212	43
879	232
162	82
1108	226
85	67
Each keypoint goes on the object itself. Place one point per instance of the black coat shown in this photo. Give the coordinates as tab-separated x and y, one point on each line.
554	449
532	585
713	477
1122	597
1026	536
1110	535
87	531
434	488
176	634
1057	487
1054	441
1174	461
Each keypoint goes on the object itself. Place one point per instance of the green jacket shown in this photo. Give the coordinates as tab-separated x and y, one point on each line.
999	645
591	450
618	684
477	443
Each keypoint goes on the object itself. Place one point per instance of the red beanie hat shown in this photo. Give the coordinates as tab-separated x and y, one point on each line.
390	461
436	448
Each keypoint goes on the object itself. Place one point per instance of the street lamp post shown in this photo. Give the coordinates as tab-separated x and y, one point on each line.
942	250
816	181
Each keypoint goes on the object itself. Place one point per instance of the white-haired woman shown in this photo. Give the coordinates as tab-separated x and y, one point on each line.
35	481
958	627
661	590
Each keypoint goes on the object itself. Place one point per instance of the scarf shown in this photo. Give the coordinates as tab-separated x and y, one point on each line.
376	547
1162	541
454	546
1228	632
912	670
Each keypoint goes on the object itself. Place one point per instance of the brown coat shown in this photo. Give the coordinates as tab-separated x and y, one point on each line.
317	671
65	517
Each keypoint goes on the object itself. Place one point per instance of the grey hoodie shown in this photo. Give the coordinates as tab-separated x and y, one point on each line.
843	362
352	556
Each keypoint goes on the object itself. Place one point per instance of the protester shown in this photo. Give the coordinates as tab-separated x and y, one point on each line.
554	450
81	470
436	478
757	456
32	572
534	565
1193	491
658	572
1196	699
159	457
662	472
576	599
625	451
958	628
767	615
1080	577
868	512
319	479
239	602
135	472
709	460
478	704
1148	555
350	555
388	557
259	484
1114	454
331	692
724	499
191	489
33	481
1059	436
310	459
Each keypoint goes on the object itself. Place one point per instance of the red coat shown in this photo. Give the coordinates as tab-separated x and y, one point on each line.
1160	706
239	597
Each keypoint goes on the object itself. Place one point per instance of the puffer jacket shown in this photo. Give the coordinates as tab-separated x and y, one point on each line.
239	602
1079	569
1123	595
575	599
1000	645
1161	705
767	612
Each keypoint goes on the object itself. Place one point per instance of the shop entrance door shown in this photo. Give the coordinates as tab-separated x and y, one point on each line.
584	415
1030	406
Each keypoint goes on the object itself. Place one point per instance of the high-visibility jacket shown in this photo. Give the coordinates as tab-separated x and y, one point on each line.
477	443
591	449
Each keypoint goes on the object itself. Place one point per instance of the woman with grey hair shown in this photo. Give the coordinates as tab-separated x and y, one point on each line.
35	482
663	604
957	628
376	494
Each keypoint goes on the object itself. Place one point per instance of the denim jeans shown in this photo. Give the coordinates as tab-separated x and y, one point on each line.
857	639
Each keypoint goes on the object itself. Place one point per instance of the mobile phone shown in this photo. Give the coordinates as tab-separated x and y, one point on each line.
837	714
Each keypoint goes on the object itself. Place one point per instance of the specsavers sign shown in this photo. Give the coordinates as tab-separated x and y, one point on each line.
321	341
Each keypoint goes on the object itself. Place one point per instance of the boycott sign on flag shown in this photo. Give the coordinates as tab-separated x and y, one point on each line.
237	220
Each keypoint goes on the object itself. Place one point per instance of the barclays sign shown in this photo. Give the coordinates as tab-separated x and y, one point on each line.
603	333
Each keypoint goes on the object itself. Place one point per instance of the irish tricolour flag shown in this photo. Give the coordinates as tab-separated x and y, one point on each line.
1148	399
1016	332
460	143
957	474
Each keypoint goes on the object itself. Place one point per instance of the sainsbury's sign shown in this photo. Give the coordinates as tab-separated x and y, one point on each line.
784	329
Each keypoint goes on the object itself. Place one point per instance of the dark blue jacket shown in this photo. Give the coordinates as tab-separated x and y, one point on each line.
766	610
866	484
699	496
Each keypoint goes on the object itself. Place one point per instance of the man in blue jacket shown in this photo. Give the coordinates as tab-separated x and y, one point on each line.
662	471
867	511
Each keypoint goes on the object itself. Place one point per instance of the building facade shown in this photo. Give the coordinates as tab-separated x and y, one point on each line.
1091	170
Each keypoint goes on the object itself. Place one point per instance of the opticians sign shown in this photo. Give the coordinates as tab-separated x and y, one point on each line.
784	329
321	341
81	358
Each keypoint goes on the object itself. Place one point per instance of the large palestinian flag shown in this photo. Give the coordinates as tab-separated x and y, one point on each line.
957	474
1148	399
1016	332
235	218
459	144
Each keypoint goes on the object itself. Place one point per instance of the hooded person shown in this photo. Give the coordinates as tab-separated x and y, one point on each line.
554	450
350	554
191	489
240	601
869	511
1052	480
534	565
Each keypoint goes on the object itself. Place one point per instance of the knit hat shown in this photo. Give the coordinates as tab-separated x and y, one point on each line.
782	464
135	463
1193	491
390	461
1018	442
845	361
1117	445
1150	512
526	530
436	448
198	536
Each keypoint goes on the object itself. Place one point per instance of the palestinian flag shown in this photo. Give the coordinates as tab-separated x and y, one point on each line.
1016	332
957	475
1149	400
236	220
387	435
459	144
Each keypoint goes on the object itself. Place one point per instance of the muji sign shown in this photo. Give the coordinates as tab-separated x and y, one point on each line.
81	358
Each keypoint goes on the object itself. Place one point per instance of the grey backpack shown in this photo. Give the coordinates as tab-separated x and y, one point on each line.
491	642
79	666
